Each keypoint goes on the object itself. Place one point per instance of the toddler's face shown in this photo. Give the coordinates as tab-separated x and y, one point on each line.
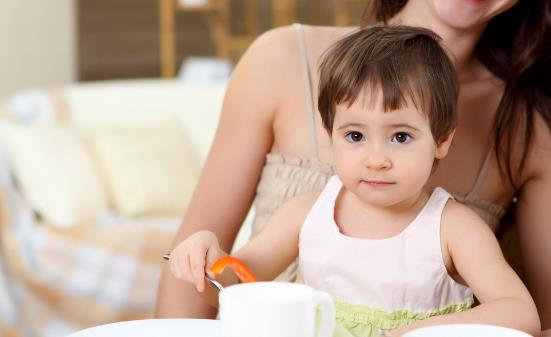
384	158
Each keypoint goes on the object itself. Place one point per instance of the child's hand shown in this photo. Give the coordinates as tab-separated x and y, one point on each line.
189	260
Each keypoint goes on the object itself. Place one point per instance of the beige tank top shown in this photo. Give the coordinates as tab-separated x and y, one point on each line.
284	176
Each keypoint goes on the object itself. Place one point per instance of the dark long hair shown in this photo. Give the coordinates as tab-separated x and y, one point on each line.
515	47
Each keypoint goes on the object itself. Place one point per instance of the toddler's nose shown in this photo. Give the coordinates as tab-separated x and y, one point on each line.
377	160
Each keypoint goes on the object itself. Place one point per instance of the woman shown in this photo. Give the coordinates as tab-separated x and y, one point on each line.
271	144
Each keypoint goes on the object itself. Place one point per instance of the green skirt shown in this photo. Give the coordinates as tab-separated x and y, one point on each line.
354	320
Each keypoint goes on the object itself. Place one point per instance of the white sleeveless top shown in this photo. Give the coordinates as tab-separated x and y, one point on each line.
403	272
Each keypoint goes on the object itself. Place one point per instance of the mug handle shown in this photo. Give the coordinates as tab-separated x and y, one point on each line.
327	314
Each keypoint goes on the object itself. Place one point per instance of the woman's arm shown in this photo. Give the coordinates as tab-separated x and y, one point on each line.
534	222
228	181
476	256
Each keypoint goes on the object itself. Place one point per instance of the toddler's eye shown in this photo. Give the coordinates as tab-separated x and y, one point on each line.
354	136
401	137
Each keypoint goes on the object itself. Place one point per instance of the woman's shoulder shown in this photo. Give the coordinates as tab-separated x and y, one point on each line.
271	65
283	42
274	54
285	33
538	162
320	38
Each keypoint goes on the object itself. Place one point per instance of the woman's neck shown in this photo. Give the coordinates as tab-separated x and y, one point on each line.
458	43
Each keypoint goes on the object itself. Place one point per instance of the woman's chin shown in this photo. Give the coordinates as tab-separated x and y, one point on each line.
469	14
464	17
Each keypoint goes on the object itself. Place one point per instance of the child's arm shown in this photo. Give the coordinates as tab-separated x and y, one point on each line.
276	246
475	256
267	254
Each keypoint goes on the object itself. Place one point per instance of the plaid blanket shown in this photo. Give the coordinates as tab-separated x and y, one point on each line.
54	282
61	281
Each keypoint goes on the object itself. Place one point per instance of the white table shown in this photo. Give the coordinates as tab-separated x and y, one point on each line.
155	328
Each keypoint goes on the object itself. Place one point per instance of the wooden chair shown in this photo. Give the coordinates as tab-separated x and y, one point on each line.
216	13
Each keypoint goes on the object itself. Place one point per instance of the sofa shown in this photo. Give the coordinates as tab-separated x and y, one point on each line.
94	180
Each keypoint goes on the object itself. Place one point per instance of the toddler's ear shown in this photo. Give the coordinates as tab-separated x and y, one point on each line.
444	145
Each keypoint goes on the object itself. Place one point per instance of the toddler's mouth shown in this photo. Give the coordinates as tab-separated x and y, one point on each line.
378	183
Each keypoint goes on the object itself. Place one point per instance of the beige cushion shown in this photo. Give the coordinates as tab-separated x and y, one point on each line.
148	170
55	173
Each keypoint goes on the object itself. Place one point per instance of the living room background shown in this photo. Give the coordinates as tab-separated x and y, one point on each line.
58	42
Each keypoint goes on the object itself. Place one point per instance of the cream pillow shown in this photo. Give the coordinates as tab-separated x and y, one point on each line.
55	173
148	170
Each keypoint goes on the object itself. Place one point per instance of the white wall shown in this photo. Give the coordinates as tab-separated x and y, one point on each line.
37	44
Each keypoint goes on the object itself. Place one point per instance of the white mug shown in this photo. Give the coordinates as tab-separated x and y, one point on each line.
275	309
466	330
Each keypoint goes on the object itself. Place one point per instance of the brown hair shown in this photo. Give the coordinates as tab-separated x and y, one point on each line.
515	47
406	63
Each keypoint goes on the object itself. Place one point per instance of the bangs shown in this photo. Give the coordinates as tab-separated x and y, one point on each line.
383	87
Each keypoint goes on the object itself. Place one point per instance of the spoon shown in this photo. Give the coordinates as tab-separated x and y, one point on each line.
211	281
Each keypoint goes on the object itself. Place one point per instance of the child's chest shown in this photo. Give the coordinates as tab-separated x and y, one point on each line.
376	229
392	274
354	221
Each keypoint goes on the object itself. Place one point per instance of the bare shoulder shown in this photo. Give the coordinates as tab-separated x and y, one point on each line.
269	67
326	34
268	75
283	42
459	223
275	55
463	233
320	38
272	55
538	163
263	75
275	43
